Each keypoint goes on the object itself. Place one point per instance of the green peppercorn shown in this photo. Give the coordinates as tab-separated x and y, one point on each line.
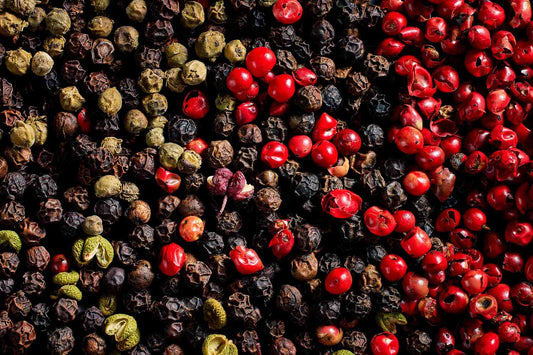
40	127
70	291
135	121
100	5
174	81
217	13
10	239
54	46
129	342
189	162
41	63
66	278
169	155
120	325
157	122
36	19
22	135
110	101
214	314
136	10
225	102
108	304
192	14
11	25
57	21
155	137
107	186
210	45
130	192
218	344
389	321
71	99
18	61
100	26
92	225
176	54
155	104
343	352
235	51
21	7
194	72
126	39
151	80
98	248
114	145
77	252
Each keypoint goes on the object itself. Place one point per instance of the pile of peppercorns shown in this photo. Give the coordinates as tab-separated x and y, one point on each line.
223	177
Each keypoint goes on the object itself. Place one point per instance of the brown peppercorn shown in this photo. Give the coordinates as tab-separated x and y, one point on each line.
167	205
166	231
324	68
357	84
376	66
9	263
126	39
65	310
78	45
370	280
197	274
304	267
135	121
288	298
224	123
78	197
50	211
37	258
249	134
93	344
3	167
33	283
191	205
309	98
22	335
138	212
141	276
102	51
90	280
267	200
216	12
31	232
18	305
12	213
219	154
283	346
5	324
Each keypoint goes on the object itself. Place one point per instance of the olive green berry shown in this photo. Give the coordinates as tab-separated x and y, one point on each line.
151	80
41	63
214	314
70	291
176	54
121	326
217	13
10	239
66	278
107	304
129	342
93	225
40	127
235	51
113	144
100	26
130	192
77	252
54	46
210	45
11	25
225	102
57	21
22	135
192	14
174	81
126	39
169	155
71	99
343	352
155	137
157	122
21	7
135	121
194	72
136	10
36	19
218	344
18	61
110	101
107	186
155	104
189	162
100	5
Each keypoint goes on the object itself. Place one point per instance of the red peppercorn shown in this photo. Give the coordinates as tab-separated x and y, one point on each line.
453	300
463	238
474	219
494	273
451	145
478	63
459	264
347	142
195	105
324	154
239	79
409	116
409	140
415	286
528	269
282	243
300	146
416	183
419	82
304	77
393	22
325	128
447	220
404	64
488	344
84	121
379	221
287	11
502	294
281	88
246	112
341	203
393	267
434	261
512	262
171	259
390	48
502	46
436	29
497	101
338	281
191	228
405	221
198	145
246	260
329	335
444	341
479	37
474	281
519	233
430	157
385	344
416	243
446	79
260	61
491	15
59	263
509	332
523	53
168	181
493	245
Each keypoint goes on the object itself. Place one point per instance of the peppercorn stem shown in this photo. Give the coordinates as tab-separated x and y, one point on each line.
224	202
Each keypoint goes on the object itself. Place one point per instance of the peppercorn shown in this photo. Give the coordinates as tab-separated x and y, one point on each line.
194	72
110	101
126	39
155	104
235	51
136	10
210	45
18	61
93	344
176	54
107	186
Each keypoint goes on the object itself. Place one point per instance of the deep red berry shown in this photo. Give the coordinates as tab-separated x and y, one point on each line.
347	142
84	121
390	48
503	43
519	233
287	11
523	53
166	180
198	145
491	15
463	238
497	101
447	220
478	63
393	267
416	243
246	112
494	245
409	140
281	88
528	269
436	29
341	203
444	341
483	306
195	105
59	264
446	79
451	145
488	344
281	243
393	22
494	273
300	146
246	260
171	259
379	221
479	37
474	219
415	286
260	61
338	281
329	335
475	281
405	221
502	294
430	157
459	264
453	300
509	332
385	344
304	77
239	79
325	128
416	183
274	154
512	262
434	261
324	154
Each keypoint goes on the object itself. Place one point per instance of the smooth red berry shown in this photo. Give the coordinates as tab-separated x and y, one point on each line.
409	140
260	61
436	29
198	145
393	22
347	141
168	181
274	154
171	259
446	79
479	37
304	77
195	105
329	335
500	197
379	221
416	243
509	332
447	220
246	260
287	11
59	263
393	267
341	203
246	112
453	300
415	286
239	79
491	15
325	128
416	183
385	344
281	88
475	281
488	344
324	154
478	63
434	261
430	157
282	243
502	294
338	281
474	219
519	233
84	121
300	145
405	221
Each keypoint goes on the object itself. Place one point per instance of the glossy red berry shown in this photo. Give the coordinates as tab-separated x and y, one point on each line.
171	259
523	53
338	281
260	61
393	267
483	306
385	344
500	197
393	22
300	146
239	79
430	157
281	88
491	15
451	145
444	341
453	300
274	154
246	112
503	43
84	121
502	294
325	128
409	140
282	243
446	79
434	261
478	63
59	263
341	203
475	281
528	269
191	228
166	180
287	11
436	29
519	233
479	37
405	221
447	220
304	77
512	262
488	344
415	286
509	332
379	221
324	154
416	243
347	141
198	145
195	105
416	183
329	335
246	260
474	219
